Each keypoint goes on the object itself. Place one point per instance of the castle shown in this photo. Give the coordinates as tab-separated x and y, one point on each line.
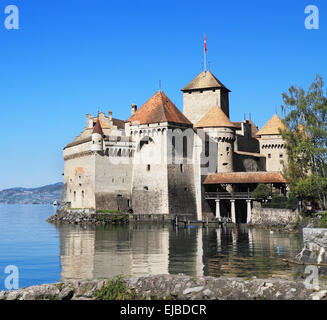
160	161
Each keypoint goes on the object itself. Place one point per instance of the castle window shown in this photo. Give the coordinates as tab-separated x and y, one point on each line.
74	195
186	189
182	167
269	155
145	188
83	194
281	155
148	167
112	180
225	164
173	150
184	147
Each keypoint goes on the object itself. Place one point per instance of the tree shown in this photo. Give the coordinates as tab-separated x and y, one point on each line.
306	140
262	191
313	188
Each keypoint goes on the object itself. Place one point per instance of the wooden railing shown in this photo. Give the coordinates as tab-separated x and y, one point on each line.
228	195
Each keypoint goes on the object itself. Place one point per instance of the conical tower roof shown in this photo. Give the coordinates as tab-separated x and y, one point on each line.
205	80
272	126
97	128
158	109
215	118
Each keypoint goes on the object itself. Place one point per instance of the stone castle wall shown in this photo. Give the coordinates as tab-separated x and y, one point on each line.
197	103
272	217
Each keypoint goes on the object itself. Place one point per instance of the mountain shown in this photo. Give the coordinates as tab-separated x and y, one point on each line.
42	195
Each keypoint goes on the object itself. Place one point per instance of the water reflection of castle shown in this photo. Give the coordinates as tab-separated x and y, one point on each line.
94	252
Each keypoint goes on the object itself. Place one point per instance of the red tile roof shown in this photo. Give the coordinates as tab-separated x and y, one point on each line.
158	109
97	128
244	177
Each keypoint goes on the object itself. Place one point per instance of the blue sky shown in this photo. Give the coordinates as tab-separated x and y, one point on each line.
70	58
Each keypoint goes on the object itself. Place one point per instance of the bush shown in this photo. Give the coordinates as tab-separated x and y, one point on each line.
262	191
115	289
281	202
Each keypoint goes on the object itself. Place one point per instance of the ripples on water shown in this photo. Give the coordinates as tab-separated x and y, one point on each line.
47	253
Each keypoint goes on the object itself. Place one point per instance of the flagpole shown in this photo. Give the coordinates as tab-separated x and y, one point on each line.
205	54
205	62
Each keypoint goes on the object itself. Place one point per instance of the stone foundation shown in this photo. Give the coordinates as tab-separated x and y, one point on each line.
273	217
88	216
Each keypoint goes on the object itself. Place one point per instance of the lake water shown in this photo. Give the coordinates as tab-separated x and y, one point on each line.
46	253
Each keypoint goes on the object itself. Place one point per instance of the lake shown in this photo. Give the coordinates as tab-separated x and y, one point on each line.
46	253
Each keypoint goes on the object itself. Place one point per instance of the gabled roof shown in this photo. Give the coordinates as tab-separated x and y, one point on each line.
205	80
244	177
158	109
272	126
97	128
214	118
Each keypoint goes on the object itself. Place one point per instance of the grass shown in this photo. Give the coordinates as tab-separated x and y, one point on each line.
115	289
109	211
323	220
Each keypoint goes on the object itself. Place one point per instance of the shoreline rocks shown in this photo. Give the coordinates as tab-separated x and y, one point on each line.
87	216
173	287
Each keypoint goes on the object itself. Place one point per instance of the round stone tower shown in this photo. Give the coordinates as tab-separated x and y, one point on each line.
225	137
97	137
220	129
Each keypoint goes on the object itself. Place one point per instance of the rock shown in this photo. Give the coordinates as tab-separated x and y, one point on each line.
13	295
268	284
3	295
66	293
319	295
192	290
207	293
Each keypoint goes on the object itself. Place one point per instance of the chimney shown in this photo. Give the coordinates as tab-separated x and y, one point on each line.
110	115
134	109
89	121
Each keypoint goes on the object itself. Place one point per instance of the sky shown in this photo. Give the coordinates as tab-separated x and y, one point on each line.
70	58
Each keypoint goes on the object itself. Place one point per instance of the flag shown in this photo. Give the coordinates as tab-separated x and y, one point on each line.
205	44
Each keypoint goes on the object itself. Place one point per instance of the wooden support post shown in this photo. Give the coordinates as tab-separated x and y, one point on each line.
218	210
233	213
249	211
